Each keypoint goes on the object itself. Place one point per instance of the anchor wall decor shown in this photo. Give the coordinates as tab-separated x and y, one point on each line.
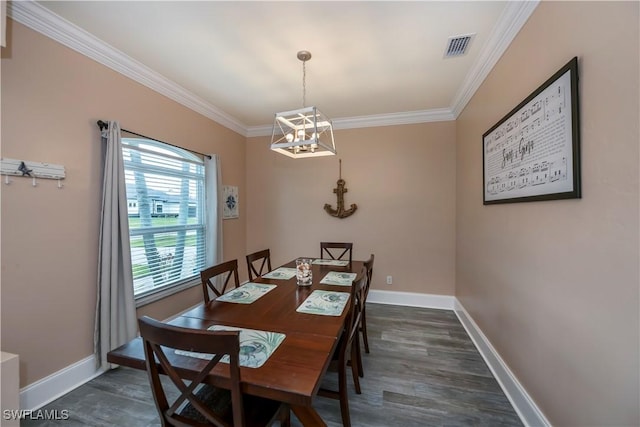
340	212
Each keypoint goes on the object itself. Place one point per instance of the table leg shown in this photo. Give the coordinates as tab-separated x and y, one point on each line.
308	416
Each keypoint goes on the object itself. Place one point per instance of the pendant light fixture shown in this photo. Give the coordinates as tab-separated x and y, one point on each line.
304	132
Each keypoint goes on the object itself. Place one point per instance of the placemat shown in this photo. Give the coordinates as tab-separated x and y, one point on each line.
255	346
247	293
334	262
284	273
326	303
338	278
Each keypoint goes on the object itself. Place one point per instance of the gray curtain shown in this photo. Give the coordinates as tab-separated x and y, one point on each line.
213	197
116	321
213	186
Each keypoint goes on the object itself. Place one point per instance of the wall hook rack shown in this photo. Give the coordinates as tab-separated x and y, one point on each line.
33	170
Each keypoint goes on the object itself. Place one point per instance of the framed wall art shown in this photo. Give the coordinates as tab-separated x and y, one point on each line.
533	153
229	202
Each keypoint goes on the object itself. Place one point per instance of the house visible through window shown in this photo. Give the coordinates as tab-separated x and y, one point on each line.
166	210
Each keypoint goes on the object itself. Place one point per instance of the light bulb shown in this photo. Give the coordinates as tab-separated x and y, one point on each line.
289	137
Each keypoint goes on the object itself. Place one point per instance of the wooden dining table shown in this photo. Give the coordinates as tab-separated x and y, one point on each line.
294	371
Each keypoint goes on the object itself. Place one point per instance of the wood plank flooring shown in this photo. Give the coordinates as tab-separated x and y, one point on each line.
423	370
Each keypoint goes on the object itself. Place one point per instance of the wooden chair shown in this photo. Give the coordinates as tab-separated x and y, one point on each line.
362	328
346	354
206	405
368	264
255	258
335	250
209	277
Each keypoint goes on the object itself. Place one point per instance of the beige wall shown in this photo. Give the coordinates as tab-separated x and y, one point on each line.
554	285
401	177
51	100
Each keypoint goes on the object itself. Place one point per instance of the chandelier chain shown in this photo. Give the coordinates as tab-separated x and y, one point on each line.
304	84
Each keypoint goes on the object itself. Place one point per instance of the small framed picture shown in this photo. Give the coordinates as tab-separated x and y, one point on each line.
229	202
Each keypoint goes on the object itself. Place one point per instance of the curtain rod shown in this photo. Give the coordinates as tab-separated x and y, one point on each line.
104	125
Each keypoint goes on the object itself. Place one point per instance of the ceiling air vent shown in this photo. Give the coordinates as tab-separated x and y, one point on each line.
458	45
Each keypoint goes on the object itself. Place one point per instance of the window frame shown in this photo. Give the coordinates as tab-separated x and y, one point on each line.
182	155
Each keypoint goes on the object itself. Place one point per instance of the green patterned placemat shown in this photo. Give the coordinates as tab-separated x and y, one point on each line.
247	293
326	303
284	273
338	278
334	262
255	346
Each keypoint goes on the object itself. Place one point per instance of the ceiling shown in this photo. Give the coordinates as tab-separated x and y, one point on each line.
235	61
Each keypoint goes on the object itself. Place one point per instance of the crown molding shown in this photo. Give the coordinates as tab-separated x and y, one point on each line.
404	118
513	18
42	20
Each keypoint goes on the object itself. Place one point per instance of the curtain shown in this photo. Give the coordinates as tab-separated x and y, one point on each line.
116	321
213	186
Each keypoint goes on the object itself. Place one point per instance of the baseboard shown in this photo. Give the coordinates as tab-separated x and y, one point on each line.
48	389
526	408
44	391
36	395
411	299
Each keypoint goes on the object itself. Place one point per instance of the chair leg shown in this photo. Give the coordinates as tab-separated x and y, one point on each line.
285	416
344	399
363	328
359	355
355	366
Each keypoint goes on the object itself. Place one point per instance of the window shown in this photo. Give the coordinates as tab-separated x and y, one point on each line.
166	211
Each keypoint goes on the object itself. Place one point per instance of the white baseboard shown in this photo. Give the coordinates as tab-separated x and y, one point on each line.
526	408
48	389
44	391
411	299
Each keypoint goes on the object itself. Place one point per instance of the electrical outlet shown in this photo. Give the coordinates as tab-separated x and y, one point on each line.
389	280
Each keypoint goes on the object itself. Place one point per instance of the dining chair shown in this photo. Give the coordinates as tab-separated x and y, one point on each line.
205	404
221	273
362	327
335	250
345	354
263	258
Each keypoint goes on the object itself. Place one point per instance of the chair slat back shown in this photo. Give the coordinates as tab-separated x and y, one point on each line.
336	250
356	304
221	273
263	258
160	342
368	265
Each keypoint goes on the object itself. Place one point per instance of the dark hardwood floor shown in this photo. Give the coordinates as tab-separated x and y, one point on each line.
423	370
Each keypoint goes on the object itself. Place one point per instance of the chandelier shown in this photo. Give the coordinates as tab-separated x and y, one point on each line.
304	132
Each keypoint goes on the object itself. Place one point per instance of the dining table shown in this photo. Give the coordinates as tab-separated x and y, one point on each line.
293	371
